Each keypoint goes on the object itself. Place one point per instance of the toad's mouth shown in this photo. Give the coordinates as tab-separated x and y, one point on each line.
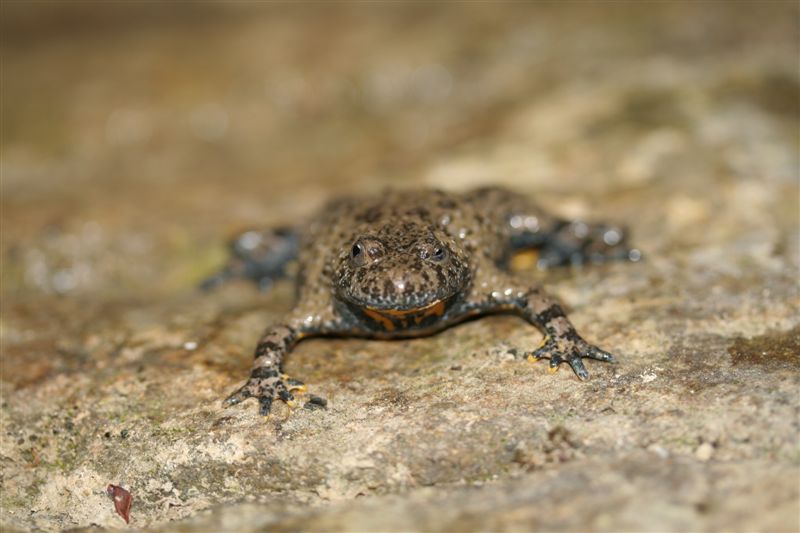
400	319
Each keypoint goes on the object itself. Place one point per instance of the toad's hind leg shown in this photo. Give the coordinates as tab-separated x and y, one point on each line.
561	242
257	256
558	241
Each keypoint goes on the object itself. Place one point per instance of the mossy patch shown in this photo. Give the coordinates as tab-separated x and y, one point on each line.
773	351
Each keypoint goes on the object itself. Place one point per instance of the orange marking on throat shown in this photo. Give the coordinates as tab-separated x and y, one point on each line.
387	323
385	316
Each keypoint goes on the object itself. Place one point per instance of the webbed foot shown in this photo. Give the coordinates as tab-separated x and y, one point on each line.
266	386
571	350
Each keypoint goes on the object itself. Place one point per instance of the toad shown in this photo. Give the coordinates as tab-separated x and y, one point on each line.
411	263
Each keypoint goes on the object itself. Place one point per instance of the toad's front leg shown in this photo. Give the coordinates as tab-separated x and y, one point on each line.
267	381
561	344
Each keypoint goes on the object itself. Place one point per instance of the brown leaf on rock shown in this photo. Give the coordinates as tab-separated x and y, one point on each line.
122	501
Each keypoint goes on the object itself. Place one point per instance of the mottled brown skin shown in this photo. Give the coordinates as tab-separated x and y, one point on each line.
405	264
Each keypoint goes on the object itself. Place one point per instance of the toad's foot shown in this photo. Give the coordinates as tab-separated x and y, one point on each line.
571	349
258	256
266	386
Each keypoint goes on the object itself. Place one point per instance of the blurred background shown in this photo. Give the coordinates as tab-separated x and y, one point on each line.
138	136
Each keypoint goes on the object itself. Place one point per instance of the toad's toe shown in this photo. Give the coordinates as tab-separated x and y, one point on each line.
266	388
569	350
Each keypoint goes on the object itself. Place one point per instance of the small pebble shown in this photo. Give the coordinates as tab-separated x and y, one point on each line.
704	451
660	451
316	402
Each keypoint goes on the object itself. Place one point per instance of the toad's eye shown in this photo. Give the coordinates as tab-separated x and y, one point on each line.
358	255
366	250
439	253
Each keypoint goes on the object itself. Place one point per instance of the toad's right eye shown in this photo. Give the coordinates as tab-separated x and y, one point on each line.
358	254
365	250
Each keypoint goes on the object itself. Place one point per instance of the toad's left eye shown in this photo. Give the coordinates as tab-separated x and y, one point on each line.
439	253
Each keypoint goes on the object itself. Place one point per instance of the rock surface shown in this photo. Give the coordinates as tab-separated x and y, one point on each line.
135	140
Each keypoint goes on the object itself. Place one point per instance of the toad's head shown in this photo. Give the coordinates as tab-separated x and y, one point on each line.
401	276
